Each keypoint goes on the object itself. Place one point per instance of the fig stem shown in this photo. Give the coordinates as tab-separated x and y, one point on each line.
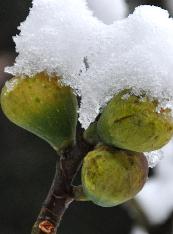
79	194
61	192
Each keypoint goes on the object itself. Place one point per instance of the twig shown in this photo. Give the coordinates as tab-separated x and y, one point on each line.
61	192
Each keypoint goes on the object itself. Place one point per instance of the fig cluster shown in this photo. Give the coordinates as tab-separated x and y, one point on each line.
116	169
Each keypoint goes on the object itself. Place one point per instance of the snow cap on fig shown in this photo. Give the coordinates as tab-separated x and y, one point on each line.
95	59
135	123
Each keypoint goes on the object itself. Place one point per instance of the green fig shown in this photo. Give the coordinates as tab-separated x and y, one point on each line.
41	105
112	176
134	123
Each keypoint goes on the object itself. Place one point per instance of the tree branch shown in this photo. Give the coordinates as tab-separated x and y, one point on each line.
61	191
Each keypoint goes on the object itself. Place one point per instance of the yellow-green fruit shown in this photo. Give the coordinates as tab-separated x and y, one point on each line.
43	106
135	124
112	176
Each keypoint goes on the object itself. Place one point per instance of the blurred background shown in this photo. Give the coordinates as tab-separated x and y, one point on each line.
27	163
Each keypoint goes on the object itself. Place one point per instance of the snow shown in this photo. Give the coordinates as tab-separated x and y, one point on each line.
108	11
53	38
95	59
156	196
154	157
10	85
138	230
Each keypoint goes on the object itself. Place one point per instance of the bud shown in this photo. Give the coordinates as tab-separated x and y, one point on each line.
43	106
112	176
134	123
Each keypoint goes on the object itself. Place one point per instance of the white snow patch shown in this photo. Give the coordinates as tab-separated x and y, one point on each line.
154	157
10	85
96	59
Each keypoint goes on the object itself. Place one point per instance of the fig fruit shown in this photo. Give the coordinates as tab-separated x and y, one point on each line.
112	176
134	123
41	105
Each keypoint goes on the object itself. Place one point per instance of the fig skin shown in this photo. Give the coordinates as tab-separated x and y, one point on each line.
112	176
135	124
41	105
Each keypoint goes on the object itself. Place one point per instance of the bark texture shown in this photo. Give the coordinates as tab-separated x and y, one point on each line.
61	191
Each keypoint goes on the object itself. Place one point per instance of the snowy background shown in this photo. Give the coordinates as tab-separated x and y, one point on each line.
25	160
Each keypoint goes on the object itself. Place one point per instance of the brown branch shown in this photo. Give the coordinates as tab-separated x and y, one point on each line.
61	191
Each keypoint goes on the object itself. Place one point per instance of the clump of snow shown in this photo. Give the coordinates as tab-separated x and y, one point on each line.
125	96
96	59
154	157
10	85
108	11
156	196
55	37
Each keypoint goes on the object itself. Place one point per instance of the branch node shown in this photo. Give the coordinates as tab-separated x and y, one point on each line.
47	227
